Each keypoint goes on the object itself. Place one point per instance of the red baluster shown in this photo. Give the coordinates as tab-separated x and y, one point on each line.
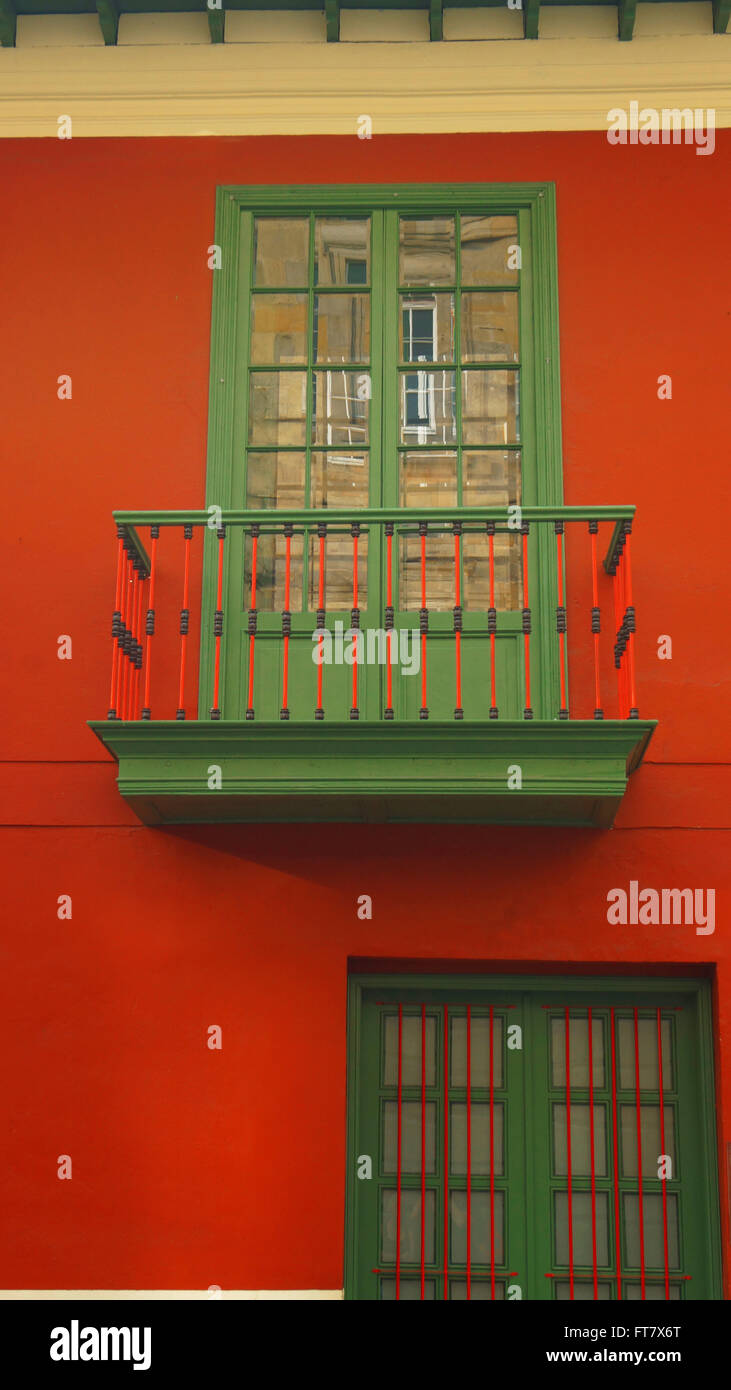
184	622
286	620
423	628
388	712
492	619
116	626
252	620
321	532
563	712
630	619
355	619
150	620
458	712
528	711
595	619
218	626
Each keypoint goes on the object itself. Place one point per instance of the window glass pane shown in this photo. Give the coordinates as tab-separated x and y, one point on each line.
340	408
654	1292
271	573
578	1050
491	479
651	1142
489	328
281	251
409	1289
490	407
652	1207
476	571
582	1227
647	1036
428	410
277	407
342	250
410	1050
580	1140
410	1136
583	1290
278	328
342	328
479	1138
480	1227
486	255
339	480
410	1225
428	480
275	479
338	585
480	1289
426	251
426	328
479	1051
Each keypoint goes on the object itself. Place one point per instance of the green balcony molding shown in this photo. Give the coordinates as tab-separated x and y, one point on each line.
572	774
110	12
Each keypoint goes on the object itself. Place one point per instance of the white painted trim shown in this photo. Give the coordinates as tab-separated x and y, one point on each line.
163	1295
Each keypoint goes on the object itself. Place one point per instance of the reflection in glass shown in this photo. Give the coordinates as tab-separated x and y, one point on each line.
480	1227
580	1140
342	250
410	1050
278	328
341	328
439	551
429	480
582	1227
490	407
340	407
271	573
338	480
489	328
476	572
652	1207
426	251
487	258
277	407
410	1136
410	1225
281	251
426	328
275	480
428	412
479	1138
338	587
651	1141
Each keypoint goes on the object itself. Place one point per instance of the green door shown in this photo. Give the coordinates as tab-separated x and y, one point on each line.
481	1166
383	358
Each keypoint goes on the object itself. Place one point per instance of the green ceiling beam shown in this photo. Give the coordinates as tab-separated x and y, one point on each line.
436	19
531	10
626	11
332	20
721	12
108	12
7	23
216	20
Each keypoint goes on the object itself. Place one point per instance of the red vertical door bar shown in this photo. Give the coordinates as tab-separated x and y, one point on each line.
138	645
388	712
592	1155
570	1201
615	1146
423	629
492	1158
563	712
355	620
469	1151
218	627
150	621
321	532
458	711
184	622
398	1152
630	622
252	621
286	619
595	620
492	618
423	1140
527	712
116	626
662	1150
640	1198
446	1150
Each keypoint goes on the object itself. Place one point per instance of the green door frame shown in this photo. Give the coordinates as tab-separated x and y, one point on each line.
530	1240
535	206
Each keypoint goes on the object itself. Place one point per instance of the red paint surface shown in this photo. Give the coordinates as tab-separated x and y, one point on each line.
182	1155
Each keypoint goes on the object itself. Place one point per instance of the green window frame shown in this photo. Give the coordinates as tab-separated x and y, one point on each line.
534	207
522	1133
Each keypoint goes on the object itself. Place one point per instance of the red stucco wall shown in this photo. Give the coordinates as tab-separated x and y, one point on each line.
194	1167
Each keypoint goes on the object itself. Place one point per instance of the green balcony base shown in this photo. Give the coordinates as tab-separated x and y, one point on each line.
572	773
